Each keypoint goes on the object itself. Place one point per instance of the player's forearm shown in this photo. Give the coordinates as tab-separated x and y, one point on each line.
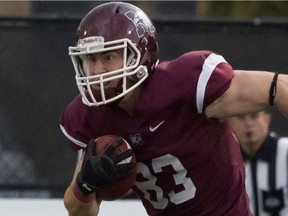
76	207
281	98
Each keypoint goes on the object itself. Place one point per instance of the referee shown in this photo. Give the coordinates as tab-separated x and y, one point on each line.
266	161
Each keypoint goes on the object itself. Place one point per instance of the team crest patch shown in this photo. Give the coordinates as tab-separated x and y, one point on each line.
136	140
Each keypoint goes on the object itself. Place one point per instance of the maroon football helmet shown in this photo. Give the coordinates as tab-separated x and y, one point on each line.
114	26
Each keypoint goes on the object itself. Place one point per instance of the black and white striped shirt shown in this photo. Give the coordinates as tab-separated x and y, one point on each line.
267	178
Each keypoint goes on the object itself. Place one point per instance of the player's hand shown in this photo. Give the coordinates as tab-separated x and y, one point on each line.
97	171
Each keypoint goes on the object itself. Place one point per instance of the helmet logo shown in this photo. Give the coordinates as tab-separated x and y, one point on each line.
91	41
141	22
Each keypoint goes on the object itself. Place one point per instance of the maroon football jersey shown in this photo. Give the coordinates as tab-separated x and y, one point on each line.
187	164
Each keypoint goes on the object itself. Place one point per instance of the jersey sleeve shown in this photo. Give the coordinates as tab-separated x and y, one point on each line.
72	124
214	79
199	77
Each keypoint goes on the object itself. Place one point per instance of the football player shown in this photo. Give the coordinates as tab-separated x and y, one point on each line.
188	161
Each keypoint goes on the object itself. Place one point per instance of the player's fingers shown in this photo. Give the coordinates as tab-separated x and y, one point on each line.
113	146
122	156
125	170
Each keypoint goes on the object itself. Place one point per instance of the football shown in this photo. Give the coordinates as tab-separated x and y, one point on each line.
118	188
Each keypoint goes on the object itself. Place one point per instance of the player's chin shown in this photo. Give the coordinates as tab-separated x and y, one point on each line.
108	93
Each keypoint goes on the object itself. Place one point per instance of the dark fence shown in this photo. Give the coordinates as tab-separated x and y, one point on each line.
37	81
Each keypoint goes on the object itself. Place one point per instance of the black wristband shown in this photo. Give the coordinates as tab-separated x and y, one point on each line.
85	187
273	89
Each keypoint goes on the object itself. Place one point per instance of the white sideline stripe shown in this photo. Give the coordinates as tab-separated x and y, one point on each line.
77	142
208	67
55	207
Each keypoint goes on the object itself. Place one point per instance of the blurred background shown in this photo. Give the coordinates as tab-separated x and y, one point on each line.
37	76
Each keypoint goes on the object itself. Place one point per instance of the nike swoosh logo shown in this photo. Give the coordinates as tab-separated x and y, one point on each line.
152	129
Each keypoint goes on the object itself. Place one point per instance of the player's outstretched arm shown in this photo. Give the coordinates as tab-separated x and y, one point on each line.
250	92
